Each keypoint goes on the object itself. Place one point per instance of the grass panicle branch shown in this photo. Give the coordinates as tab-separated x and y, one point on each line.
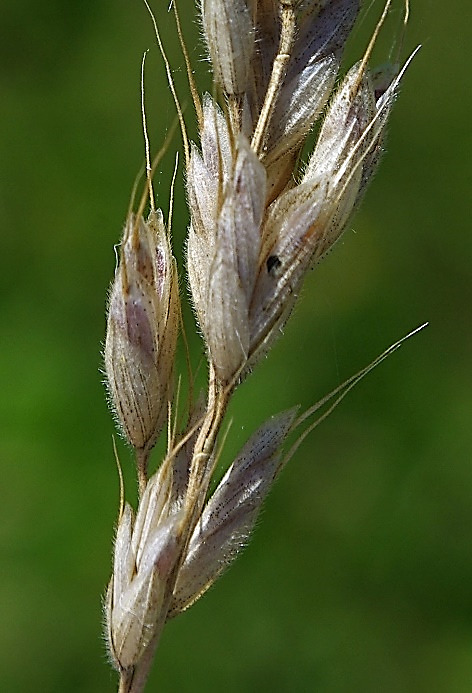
259	220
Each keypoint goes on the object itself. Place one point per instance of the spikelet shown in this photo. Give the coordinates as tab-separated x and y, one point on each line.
142	330
230	514
229	35
146	550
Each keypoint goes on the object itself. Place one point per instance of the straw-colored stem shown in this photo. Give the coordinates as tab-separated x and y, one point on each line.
134	680
279	69
204	447
142	459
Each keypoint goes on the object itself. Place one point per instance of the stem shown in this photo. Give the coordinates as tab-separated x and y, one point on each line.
234	111
204	447
134	680
142	459
126	681
279	70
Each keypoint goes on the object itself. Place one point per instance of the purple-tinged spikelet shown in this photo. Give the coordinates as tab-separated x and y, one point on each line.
142	331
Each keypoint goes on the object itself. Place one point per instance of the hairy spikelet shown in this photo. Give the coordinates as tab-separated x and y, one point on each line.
142	330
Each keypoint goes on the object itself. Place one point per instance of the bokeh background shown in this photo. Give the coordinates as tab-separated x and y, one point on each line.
359	576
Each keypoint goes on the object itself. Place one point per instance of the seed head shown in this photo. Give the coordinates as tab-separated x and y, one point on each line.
259	222
254	230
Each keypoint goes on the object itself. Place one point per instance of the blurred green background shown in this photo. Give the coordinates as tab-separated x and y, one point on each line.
359	577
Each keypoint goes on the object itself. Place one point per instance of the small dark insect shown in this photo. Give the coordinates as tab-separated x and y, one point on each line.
273	263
